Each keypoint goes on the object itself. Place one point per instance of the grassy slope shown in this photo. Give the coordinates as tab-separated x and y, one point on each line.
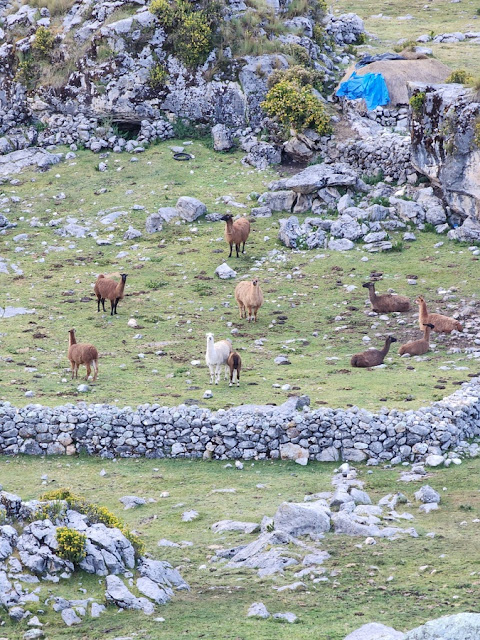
216	606
441	17
172	293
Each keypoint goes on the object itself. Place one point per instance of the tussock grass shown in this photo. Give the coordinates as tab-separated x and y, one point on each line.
56	7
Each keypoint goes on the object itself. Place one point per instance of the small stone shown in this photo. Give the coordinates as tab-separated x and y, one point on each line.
288	616
188	516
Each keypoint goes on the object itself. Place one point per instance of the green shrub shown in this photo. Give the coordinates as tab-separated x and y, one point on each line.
296	107
193	39
298	74
361	38
298	53
71	544
43	43
417	101
27	73
190	31
158	76
459	76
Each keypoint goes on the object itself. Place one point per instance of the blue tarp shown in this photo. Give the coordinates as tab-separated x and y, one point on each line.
371	87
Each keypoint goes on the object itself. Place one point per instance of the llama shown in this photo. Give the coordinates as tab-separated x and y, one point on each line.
111	289
235	364
387	302
372	357
236	232
418	347
82	353
217	355
249	297
443	324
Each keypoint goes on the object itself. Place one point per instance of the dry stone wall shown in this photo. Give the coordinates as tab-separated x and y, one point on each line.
248	432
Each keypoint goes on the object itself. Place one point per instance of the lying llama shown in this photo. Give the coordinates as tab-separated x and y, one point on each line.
236	232
443	324
111	289
235	364
81	353
372	357
249	297
418	347
217	355
387	302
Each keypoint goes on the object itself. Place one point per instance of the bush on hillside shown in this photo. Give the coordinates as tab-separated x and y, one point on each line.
459	76
190	31
301	75
43	43
296	107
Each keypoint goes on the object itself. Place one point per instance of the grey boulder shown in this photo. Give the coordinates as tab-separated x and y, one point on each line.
299	519
189	209
461	626
375	631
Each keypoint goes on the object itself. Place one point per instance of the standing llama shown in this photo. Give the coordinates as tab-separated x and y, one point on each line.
217	355
82	353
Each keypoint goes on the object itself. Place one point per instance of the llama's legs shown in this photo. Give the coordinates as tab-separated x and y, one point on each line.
237	247
116	303
89	370
217	373
72	364
231	247
238	377
211	369
112	305
98	305
103	305
227	370
243	250
95	369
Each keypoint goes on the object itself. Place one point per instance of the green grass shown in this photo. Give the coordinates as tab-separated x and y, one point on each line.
216	606
175	297
442	16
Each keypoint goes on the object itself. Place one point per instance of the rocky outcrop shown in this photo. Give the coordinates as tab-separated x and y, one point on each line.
114	62
446	148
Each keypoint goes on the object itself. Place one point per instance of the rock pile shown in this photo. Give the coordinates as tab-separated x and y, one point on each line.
30	554
368	218
347	510
347	28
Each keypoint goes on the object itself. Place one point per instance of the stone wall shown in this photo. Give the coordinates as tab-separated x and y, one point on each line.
248	432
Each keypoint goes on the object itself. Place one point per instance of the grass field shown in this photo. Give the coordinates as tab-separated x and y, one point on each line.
384	583
173	294
385	20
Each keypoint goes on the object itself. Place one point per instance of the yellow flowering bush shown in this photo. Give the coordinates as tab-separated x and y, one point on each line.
95	513
71	544
43	43
296	107
189	28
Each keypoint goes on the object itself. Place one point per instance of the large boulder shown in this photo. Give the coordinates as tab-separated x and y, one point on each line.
189	209
375	631
461	626
300	519
318	176
450	159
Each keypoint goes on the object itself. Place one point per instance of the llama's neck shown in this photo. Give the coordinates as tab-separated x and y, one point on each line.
426	334
386	347
229	224
210	349
71	339
422	310
120	288
372	295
